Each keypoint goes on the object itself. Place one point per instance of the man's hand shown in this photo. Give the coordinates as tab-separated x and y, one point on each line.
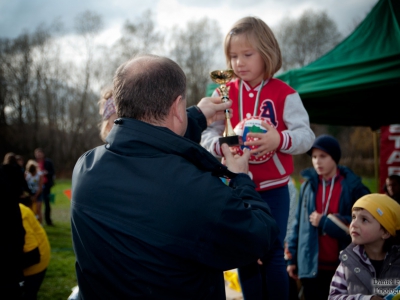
213	109
266	142
236	163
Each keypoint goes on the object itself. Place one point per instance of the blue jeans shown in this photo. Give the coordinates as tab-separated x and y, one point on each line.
270	280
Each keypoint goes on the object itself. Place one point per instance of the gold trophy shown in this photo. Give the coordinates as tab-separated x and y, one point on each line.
222	77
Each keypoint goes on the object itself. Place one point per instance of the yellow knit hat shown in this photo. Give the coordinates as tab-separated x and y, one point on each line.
384	209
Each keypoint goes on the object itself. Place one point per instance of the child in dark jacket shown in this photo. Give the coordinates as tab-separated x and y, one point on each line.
370	265
320	228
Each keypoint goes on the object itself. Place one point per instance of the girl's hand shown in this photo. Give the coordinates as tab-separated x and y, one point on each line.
266	142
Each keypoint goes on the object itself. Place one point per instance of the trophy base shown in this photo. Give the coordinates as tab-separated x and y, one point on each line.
231	141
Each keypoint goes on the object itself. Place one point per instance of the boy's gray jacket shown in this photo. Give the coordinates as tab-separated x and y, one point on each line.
151	218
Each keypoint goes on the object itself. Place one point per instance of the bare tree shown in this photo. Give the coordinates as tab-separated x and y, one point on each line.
16	63
305	39
82	111
137	36
194	49
3	95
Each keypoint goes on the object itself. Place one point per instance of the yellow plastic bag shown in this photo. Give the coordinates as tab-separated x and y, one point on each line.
233	279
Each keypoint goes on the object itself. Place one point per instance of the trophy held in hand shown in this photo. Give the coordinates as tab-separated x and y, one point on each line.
222	77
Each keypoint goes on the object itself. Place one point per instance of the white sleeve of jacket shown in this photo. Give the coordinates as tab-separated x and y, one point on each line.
297	121
210	136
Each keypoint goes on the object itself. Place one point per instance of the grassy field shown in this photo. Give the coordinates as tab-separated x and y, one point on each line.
60	277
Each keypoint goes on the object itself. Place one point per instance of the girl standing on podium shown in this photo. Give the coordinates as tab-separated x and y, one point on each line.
270	117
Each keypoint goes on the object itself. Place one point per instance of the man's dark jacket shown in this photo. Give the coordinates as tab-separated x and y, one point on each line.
151	218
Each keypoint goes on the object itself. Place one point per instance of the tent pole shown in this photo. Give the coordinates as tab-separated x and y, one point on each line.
376	159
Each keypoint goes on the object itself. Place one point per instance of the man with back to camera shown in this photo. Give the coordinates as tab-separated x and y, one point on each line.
150	215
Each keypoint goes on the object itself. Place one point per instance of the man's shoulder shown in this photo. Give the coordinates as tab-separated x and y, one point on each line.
90	151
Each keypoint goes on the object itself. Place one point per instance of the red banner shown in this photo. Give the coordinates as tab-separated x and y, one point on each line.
389	152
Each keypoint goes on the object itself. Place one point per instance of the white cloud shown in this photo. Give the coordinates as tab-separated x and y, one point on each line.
178	12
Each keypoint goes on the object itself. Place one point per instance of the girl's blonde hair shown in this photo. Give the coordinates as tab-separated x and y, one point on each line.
32	166
260	37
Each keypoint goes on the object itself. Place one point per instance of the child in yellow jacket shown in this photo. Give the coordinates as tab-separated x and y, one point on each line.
36	253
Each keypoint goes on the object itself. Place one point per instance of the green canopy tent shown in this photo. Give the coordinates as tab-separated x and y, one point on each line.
357	83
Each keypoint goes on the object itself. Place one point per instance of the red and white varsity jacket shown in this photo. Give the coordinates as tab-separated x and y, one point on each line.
279	105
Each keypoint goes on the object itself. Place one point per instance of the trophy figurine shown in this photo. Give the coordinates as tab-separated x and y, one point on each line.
222	77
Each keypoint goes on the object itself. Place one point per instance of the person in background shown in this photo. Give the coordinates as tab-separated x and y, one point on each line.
320	228
270	118
392	187
370	266
21	162
19	186
36	256
153	200
47	168
108	113
34	178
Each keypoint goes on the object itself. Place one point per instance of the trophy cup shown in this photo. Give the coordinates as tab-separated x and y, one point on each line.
222	77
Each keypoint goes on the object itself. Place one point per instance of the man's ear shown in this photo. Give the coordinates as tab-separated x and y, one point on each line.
176	109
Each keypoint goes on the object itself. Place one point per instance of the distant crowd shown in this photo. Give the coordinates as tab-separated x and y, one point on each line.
25	247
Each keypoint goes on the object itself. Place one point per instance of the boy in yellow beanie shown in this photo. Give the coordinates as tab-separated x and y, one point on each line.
370	265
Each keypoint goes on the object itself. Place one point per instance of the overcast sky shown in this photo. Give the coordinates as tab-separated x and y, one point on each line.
19	15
